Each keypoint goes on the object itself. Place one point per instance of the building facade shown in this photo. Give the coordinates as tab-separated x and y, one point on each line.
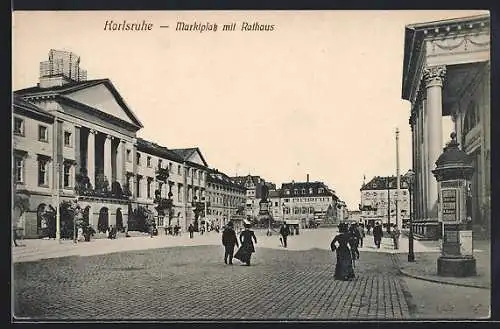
302	202
379	201
226	198
76	139
446	72
255	188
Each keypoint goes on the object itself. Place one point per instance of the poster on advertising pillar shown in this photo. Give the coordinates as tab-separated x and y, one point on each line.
465	238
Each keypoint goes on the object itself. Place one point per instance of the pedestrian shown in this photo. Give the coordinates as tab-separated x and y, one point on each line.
354	240
191	231
285	232
247	239
395	237
377	234
229	240
14	236
344	269
361	230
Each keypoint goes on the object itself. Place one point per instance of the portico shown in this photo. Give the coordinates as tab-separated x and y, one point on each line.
446	73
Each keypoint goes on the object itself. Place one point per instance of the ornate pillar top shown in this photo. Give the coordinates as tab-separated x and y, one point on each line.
109	136
92	131
434	75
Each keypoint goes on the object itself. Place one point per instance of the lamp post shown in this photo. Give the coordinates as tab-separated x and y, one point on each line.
411	254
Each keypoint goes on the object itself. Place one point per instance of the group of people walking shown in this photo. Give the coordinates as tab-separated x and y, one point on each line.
247	239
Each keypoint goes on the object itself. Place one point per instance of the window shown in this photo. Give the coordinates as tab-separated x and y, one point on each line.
320	190
43	173
310	190
159	163
179	192
303	191
170	167
18	126
179	170
287	192
67	139
19	169
42	134
149	188
138	159
138	187
67	175
129	156
148	162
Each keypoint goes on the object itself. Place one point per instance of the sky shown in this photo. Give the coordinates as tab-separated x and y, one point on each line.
318	95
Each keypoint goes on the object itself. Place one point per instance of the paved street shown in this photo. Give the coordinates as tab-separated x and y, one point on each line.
192	282
181	278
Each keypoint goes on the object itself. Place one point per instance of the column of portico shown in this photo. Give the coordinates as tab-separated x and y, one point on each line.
424	162
434	77
91	156
107	158
119	162
416	162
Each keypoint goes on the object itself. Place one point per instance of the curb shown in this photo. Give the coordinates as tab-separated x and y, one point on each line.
423	278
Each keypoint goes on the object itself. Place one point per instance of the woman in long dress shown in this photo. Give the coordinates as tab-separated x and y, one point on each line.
247	239
344	269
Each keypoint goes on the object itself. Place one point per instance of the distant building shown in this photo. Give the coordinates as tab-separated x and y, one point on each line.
255	187
302	202
378	198
226	199
355	216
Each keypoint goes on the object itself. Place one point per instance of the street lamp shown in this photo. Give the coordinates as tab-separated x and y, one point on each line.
411	254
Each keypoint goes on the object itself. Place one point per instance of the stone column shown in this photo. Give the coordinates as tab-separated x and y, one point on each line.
107	159
434	77
119	162
78	156
423	151
91	156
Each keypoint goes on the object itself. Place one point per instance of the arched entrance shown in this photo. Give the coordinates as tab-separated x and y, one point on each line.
46	221
103	223
86	214
119	220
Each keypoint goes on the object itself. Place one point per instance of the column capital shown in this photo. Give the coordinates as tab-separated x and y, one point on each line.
109	136
434	75
92	131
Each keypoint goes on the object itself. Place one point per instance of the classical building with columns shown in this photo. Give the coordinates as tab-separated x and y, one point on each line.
77	139
446	72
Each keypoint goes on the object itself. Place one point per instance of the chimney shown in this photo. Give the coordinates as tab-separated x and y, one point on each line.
308	178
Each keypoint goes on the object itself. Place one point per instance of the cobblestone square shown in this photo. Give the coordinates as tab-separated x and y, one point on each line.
194	283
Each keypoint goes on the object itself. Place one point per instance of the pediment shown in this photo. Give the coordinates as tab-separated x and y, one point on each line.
102	98
197	158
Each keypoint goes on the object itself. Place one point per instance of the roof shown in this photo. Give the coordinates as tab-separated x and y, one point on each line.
251	178
186	153
158	150
415	35
305	185
24	107
380	183
217	177
75	86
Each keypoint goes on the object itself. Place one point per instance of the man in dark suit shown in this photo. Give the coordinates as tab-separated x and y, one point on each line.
229	240
377	234
285	232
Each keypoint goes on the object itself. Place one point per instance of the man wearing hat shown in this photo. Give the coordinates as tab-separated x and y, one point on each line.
228	241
